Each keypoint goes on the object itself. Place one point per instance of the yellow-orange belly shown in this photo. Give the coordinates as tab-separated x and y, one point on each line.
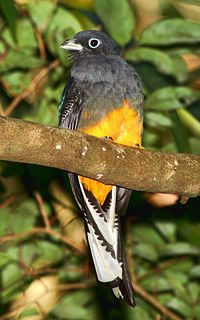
124	126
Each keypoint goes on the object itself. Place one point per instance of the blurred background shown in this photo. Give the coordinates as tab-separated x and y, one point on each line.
45	267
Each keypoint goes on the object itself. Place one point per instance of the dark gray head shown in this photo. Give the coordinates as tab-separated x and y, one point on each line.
91	42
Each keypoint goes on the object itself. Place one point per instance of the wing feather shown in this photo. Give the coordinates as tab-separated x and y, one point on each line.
70	106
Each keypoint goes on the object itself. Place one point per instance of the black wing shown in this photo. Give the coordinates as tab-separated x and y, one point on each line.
123	197
70	109
70	106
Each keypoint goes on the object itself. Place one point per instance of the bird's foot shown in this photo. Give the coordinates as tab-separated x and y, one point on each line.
108	138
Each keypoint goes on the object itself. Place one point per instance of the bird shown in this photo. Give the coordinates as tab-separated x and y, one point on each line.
103	98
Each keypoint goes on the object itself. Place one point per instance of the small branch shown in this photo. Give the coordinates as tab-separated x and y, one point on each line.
31	87
41	44
2	112
42	209
8	202
154	302
105	161
38	231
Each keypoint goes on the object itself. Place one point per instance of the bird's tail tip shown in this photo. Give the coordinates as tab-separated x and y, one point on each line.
125	291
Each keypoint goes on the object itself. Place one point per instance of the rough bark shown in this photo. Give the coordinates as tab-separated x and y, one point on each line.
105	161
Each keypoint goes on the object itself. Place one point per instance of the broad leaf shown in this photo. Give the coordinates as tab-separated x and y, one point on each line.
171	31
9	11
63	25
162	61
40	12
113	13
171	98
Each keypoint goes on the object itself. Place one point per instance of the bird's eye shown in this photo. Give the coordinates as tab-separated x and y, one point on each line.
94	43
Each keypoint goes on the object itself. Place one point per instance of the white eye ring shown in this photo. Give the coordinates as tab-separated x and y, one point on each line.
94	43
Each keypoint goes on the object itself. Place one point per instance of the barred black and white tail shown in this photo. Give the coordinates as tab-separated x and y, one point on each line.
103	234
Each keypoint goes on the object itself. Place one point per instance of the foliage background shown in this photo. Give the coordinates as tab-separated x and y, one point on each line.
42	274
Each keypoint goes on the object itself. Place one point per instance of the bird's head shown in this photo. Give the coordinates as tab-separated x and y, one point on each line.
91	42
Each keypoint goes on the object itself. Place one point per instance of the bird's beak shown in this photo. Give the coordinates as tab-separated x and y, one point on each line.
71	45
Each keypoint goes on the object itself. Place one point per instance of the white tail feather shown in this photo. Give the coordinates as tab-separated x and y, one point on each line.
107	267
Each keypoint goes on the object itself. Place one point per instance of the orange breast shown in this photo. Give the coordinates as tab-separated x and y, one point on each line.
124	126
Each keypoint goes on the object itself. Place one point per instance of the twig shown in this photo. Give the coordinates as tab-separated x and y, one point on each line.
8	202
31	87
154	302
38	231
41	44
2	112
42	209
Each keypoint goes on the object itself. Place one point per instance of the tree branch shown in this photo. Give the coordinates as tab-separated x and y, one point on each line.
102	160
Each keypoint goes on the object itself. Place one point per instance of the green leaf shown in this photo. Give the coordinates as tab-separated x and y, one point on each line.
26	313
196	310
86	23
149	138
113	13
189	121
164	298
184	49
180	68
10	274
8	9
5	258
156	283
147	234
180	306
2	48
180	248
189	231
25	36
156	81
171	98
40	12
138	313
20	59
194	291
193	2
45	112
63	25
167	229
179	133
47	253
169	147
177	282
16	81
71	276
146	251
18	218
162	61
178	266
156	120
171	31
194	145
77	305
